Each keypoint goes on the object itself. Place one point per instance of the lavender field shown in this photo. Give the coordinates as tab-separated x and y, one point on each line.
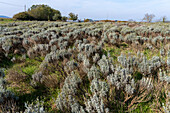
93	67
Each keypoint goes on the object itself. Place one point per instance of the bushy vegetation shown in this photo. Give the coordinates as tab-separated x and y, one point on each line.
43	13
85	67
6	20
73	16
23	16
39	12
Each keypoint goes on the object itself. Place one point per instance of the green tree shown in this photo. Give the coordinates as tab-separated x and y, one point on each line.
57	17
73	16
164	18
64	18
23	16
44	12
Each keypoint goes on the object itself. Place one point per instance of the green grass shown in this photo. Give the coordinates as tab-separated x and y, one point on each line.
28	93
29	70
6	20
150	53
114	52
10	20
31	65
143	108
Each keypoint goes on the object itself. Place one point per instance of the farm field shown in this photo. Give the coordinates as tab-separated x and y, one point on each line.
102	67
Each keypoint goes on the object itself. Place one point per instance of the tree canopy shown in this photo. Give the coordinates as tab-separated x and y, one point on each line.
23	16
44	12
73	16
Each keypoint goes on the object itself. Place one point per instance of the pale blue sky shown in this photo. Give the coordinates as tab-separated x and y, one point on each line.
96	9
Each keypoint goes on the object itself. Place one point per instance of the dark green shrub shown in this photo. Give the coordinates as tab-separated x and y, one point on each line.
44	12
138	76
64	18
23	16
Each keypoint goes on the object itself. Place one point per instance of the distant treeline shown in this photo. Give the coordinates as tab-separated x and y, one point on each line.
43	13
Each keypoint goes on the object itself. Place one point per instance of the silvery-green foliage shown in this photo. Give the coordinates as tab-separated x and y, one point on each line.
85	41
75	106
113	35
80	47
72	65
2	74
53	48
74	48
24	56
105	39
168	53
131	87
168	39
166	107
130	37
113	41
13	59
77	42
93	73
39	48
6	96
2	82
35	107
155	40
155	62
80	57
2	87
6	47
86	62
95	104
53	41
52	56
65	100
1	28
96	57
57	55
38	77
88	40
138	54
145	66
100	87
161	39
65	44
104	65
162	51
163	76
98	49
100	44
126	30
70	50
149	46
71	83
146	83
89	49
129	62
121	38
122	59
168	62
122	80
